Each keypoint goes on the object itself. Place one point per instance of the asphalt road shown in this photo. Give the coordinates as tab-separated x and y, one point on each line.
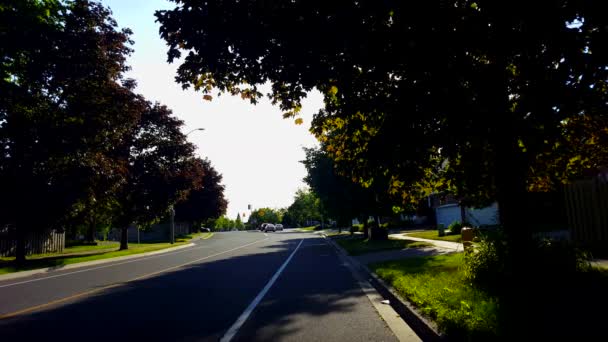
201	293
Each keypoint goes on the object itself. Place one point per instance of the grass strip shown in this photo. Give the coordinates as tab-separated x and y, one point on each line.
434	235
437	287
358	246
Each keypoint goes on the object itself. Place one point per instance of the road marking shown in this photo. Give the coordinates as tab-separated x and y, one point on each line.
265	234
81	294
104	266
243	317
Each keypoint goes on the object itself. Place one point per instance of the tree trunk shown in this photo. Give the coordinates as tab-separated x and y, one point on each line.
365	230
463	214
124	242
20	250
91	232
377	232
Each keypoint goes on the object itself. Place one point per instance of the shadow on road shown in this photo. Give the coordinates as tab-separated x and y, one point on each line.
198	302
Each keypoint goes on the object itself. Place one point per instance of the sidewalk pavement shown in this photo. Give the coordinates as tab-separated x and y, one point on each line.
452	246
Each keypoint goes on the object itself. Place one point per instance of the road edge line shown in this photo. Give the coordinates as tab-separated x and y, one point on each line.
89	292
22	274
234	328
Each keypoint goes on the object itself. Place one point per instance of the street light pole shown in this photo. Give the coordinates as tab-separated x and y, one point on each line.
172	209
196	129
172	224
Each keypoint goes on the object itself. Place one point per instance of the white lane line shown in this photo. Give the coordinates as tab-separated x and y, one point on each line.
243	317
265	234
111	265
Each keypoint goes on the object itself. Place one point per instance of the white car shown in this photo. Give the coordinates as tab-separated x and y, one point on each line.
278	226
269	227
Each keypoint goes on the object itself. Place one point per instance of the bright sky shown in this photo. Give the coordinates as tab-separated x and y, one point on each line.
256	150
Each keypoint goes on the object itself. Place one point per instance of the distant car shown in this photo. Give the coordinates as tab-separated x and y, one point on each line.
278	226
269	227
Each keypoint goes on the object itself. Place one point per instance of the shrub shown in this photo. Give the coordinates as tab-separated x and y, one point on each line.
455	227
491	266
357	228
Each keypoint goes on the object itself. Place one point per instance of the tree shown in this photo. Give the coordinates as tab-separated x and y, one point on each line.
223	223
465	97
238	224
306	207
160	169
58	123
205	203
341	198
264	215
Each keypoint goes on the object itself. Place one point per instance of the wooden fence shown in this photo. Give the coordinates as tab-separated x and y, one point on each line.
36	243
587	209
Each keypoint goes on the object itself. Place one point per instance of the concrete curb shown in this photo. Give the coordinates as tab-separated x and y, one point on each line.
424	328
22	274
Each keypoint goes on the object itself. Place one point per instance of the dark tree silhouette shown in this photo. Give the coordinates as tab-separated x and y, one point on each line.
427	95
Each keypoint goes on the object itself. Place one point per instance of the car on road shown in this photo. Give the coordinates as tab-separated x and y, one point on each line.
278	226
269	227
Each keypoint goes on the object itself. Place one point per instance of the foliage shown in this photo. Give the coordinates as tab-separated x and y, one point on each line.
264	215
238	224
59	124
341	198
206	202
455	227
358	246
306	207
438	288
160	169
491	267
223	223
480	98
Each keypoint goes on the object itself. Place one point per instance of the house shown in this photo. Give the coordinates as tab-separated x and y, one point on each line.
448	210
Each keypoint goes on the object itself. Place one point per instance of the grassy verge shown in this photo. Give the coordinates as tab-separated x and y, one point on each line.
344	233
193	236
104	250
434	235
436	286
308	229
358	246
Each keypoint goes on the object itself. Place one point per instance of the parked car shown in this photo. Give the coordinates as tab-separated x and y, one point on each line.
270	228
278	226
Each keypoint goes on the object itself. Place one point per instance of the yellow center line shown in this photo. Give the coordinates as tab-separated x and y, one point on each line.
86	293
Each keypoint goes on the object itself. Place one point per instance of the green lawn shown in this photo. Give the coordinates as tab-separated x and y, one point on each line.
308	229
344	233
436	286
434	235
358	246
101	245
194	236
103	250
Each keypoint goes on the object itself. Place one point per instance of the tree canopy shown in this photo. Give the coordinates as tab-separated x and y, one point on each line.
77	145
477	97
306	207
264	215
206	202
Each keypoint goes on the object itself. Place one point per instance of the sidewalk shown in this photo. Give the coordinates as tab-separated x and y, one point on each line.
452	246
